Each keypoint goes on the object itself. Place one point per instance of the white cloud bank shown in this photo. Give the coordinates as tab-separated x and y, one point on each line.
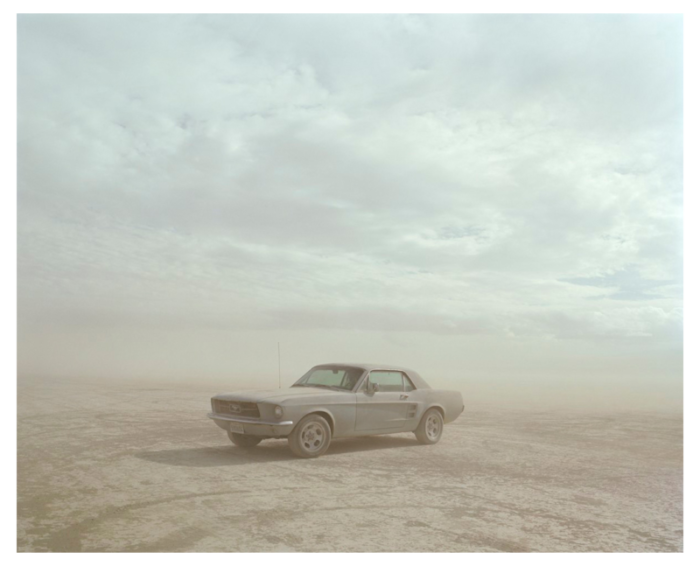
516	177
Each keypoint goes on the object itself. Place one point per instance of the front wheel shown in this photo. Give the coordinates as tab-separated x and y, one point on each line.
244	440
311	437
429	430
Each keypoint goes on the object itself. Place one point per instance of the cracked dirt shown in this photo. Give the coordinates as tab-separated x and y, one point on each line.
122	466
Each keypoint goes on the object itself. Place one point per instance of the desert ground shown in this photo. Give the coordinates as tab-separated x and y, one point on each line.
128	466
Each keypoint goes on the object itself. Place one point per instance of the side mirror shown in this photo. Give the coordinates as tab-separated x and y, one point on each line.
372	387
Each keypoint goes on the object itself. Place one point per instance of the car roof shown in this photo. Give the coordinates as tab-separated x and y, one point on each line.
417	380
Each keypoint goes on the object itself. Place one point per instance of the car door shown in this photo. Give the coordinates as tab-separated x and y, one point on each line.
384	409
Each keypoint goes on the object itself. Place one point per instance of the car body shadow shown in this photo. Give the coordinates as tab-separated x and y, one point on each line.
267	451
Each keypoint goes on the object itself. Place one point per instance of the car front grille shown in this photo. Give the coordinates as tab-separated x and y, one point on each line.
237	408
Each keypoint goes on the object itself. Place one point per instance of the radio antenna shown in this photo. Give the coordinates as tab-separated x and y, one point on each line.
279	366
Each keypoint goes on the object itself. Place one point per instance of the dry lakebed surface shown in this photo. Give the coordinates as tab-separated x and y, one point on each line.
111	466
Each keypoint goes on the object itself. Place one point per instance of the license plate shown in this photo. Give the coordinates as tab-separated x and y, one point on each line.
235	427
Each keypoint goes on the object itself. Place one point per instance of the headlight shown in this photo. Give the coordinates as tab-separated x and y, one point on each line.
278	412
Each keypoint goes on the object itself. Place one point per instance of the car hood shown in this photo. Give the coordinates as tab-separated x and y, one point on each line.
276	395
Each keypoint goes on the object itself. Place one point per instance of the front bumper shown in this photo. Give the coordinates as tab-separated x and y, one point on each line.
255	427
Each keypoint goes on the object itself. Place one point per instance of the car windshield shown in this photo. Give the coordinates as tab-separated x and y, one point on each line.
331	377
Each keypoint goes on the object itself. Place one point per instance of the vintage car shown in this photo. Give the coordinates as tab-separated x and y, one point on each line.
336	401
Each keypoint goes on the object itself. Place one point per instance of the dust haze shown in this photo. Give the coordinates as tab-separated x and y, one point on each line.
494	201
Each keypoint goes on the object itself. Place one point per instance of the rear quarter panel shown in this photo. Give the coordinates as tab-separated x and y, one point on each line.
450	402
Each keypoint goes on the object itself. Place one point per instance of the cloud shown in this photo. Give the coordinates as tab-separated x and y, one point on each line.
628	284
461	174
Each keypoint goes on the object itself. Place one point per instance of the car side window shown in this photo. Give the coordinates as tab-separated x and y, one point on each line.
387	380
407	385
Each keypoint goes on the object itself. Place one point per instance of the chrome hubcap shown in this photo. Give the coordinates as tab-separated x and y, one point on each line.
433	427
312	437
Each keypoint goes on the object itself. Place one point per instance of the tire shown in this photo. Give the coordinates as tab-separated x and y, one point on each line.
244	440
311	437
429	430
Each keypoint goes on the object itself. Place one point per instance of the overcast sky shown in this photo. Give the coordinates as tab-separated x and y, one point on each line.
479	197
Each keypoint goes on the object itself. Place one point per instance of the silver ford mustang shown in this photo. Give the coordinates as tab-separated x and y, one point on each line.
334	401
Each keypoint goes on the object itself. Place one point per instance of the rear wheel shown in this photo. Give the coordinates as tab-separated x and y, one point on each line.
429	430
244	440
311	437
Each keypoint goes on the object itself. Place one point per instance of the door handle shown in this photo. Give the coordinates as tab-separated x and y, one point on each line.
402	397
